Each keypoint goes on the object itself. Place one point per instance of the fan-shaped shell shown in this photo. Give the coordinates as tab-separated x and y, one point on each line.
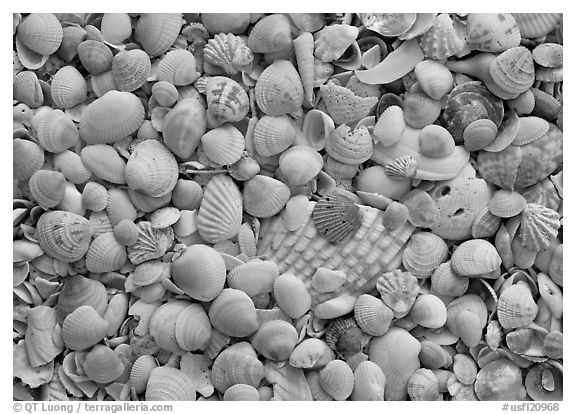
81	291
264	196
343	105
26	88
531	128
554	345
27	159
111	117
390	125
157	32
505	203
420	110
95	56
275	340
130	69
336	217
116	27
169	384
226	51
151	244
350	146
424	252
183	127
241	392
63	235
125	232
193	330
445	282
498	380
273	134
516	308
279	90
83	328
369	382
428	311
535	25
68	87
443	39
539	225
254	277
223	145
233	313
57	132
119	207
398	291
513	70
492	32
372	315
178	67
233	367
227	101
270	34
300	164
104	162
152	169
434	78
291	295
474	258
105	254
40	32
402	167
337	379
102	365
102	83
47	188
140	372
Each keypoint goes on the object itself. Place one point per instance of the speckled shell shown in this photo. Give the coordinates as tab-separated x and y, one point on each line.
40	32
291	295
264	196
220	213
116	27
279	90
83	328
104	162
332	41
275	340
200	272
119	206
95	56
225	51
169	384
178	67
227	101
300	164
445	282
241	392
396	353
498	380
369	382
152	169
233	313
492	32
336	217
350	146
105	254
535	25
474	258
63	235
273	134
68	87
27	89
111	117
81	291
428	311
233	367
434	78
337	379
443	39
47	188
398	291
130	69
157	32
513	70
102	365
270	34
183	127
140	372
372	315
344	106
539	226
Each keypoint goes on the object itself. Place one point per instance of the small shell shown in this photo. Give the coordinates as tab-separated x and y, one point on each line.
105	254
116	27
125	232
398	291
539	225
294	215
111	117
104	162
350	146
336	217
270	34
227	101
423	253
193	330
264	196
273	134
435	141
445	38
254	277
233	313
151	244
187	195
535	25
149	272
102	365
140	372
169	384
372	315
83	328
369	382
279	90
337	379
27	158
304	50
235	23
390	125
474	258
152	169
420	110
275	340
498	380
548	55
467	316
165	93
95	56
433	356
445	282
516	308
183	127
63	235
41	32
325	280
81	291
505	203
26	88
164	217
68	87
513	71
434	78
479	134
344	106
130	69
102	83
423	386
157	32
311	352
554	345
300	164
233	367
395	215
531	129
178	67
316	129
523	104
428	311
119	206
402	167
223	51
241	392
291	295
492	32
47	188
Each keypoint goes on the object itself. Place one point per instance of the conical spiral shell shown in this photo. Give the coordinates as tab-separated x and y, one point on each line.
47	188
279	90
152	169
265	196
105	254
40	32
95	56
233	313
68	87
270	34
169	384
304	50
130	69
372	315
232	367
104	162
424	252
178	67
83	328
63	235
157	32
492	32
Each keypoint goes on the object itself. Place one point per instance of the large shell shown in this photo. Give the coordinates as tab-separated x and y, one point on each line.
227	100
474	258
350	146
47	188
372	315
234	367
443	39
83	328
498	381
157	32
428	311
539	226
492	32
130	69
291	295
398	291
28	158
183	127
200	272
68	87
152	169
264	196
63	235
337	379
279	90
424	252
170	384
104	162
224	51
336	217
111	117
275	340
220	213
102	365
369	382
193	330
40	32
344	106
513	70
178	67
270	34
95	56
81	291
273	134
233	313
516	308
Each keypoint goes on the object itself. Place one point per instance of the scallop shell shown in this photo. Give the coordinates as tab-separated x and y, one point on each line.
398	291
200	272
40	32
26	88
68	87
372	315
47	188
125	232
332	41
119	207
531	128
140	372
193	330
390	125
104	162
63	235
152	169
95	56
183	127
535	25
273	135
513	71
505	203
420	110
279	90
369	382
235	23
291	295
111	117
474	258
83	328
233	313
428	311
227	101
57	132
445	282
434	78
304	50
233	367
40	345
492	32
498	380
105	254
300	164
178	67
270	34
443	39
423	253
151	243
224	50
157	32
344	106
275	340
402	167
539	225
220	213
423	386
102	365
187	195
116	27
241	392
130	69
337	379
548	55
223	145
350	146
336	217
81	291
264	196
254	277
169	384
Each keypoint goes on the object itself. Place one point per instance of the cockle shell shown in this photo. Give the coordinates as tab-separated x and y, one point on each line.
344	336
428	311
165	94
183	127
26	88
337	379
81	291
63	235
111	117
225	51
233	367
104	162
498	380
151	244
275	340
140	372
273	134
47	188
420	110
72	200
157	32
398	291
279	90
40	32
433	356
372	315
291	295
553	345
343	105
95	56
105	254
270	34
164	217
149	272
548	55
513	71
227	101
402	167
443	39
336	217
166	383
119	207
187	195
223	145
178	67
423	386
233	313
264	196
40	343
390	125
350	146
83	328
492	32
253	277
445	282
474	258
130	69
300	164
102	365
235	23
68	87
516	308
116	27
531	128
102	83
535	25
434	78
506	203
125	232
423	253
193	330
395	215
241	392
152	169
369	382
57	132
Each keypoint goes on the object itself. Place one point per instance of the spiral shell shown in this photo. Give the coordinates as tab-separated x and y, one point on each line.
152	169
304	50
104	162
270	34
63	235
68	87
95	56
279	90
130	69
40	32
350	146
227	101
273	135
398	291
157	32
443	39
166	383
47	188
264	196
233	313
178	67
343	105
492	32
83	328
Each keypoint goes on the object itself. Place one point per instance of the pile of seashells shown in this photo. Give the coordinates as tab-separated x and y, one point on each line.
287	207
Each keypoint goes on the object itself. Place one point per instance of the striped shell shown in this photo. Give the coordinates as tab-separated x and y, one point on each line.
279	90
350	146
402	167
445	282
423	386
434	78
235	23
292	295
130	69
105	254
424	252
104	162
531	129
83	328
304	50
474	258
193	330
225	51
325	280
479	134
47	188
273	134
140	372
516	308
233	367
337	379
492	32
227	101
81	291
420	110
336	217
233	313
505	203
157	32
68	87
513	70
63	235
119	206
344	106
372	315
95	56
152	169
56	132
535	25
151	244
178	67
270	34
187	195
539	225
369	382
264	196
40	32
241	392
102	365
169	384
223	145
26	88
125	232
165	94
254	277
300	164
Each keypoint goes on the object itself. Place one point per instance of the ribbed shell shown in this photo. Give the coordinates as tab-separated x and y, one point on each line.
279	90
369	382
47	188
350	146
193	330
304	50
26	88
223	145
395	215
111	117
227	100
264	196
445	282
152	169
505	204
102	365
40	32
57	132
443	40
292	295
68	87
372	315
81	291
170	384
162	325
344	106
105	254
83	328
140	372
424	252
513	70
270	34
300	164
428	311
119	206
183	127
531	128
471	309
433	356
164	93
95	56
539	226
492	32
423	386
337	379
157	32
402	167
516	308
104	162
63	235
479	134
398	291
241	392
273	134
178	67
336	217
275	340
116	27
27	158
474	258
254	277
130	69
233	313
534	25
420	110
187	195
102	83
224	51
232	367
465	369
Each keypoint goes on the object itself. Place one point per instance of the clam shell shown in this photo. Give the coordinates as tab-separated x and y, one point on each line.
165	94
169	384
291	295
193	330
372	315
337	379
102	365
27	89
147	203
523	104
227	101
465	369
151	244
140	372
183	127
428	311
104	162
111	117
200	272
83	328
336	217
390	125
241	392
304	50
505	203
119	207
311	352
162	325
27	159
275	340
350	146
68	87
63	235
498	380
445	282
548	55
539	225
178	67
157	32
233	367
164	217
40	345
423	386
443	39
492	32
423	253
273	134
57	132
420	110
47	188
105	254
223	145
332	41
254	277
81	291
264	196
479	134
344	106
235	23
513	71
233	313
300	164
531	129
270	34
95	56
395	216
150	272
435	141
102	83
398	291
116	27
469	305
535	25
325	280
433	356
474	258
516	308
130	69
220	213
125	232
152	169
279	90
434	78
187	195
369	382
40	32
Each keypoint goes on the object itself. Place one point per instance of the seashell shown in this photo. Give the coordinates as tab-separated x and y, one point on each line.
300	164
187	195
57	132
513	71
423	23
111	117
294	215
149	272
423	386
105	254
40	32
200	272
420	110
390	125
233	367
164	93
291	295
152	169
423	253
395	215
339	170
344	336
68	87
498	380
169	384
273	135
102	83
130	69
164	217
119	207
523	104
178	67
104	162
550	294
337	379
125	232
538	378
193	330
535	25
548	55
304	50
344	106
233	313
322	72
398	291
235	23
63	235
162	325
465	369
220	213
336	217
116	27
224	51
428	311
264	196
506	203
270	34
492	32
102	365
435	142
445	282
227	101
372	315
336	307
183	127
40	346
81	291
47	188
369	382
474	258
279	90
72	200
553	344
245	168
140	372
223	145
95	56
388	24
350	146
332	41
433	356
403	167
516	308
479	134
26	89
275	340
83	328
539	225
311	352
444	38
531	129
434	78
254	277
27	58
157	32
151	244
241	392
325	280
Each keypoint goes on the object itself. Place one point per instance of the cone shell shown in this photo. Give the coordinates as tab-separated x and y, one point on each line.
424	252
70	164
344	106
434	78
178	67
40	32
81	291
291	295
157	32
169	384
420	110
111	117
183	127
102	365
372	315
275	340
300	164
119	206
304	50
233	367
350	146
337	379
130	69
492	32
398	290
445	282
539	225
265	196
125	232
443	39
513	70
279	90
200	272
505	203
140	372
68	87
83	328
474	258
223	145
254	277
369	382
193	330
116	27
233	313
273	134
516	308
220	213
47	188
104	162
105	254
152	169
63	235
27	159
428	311
95	56
535	25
